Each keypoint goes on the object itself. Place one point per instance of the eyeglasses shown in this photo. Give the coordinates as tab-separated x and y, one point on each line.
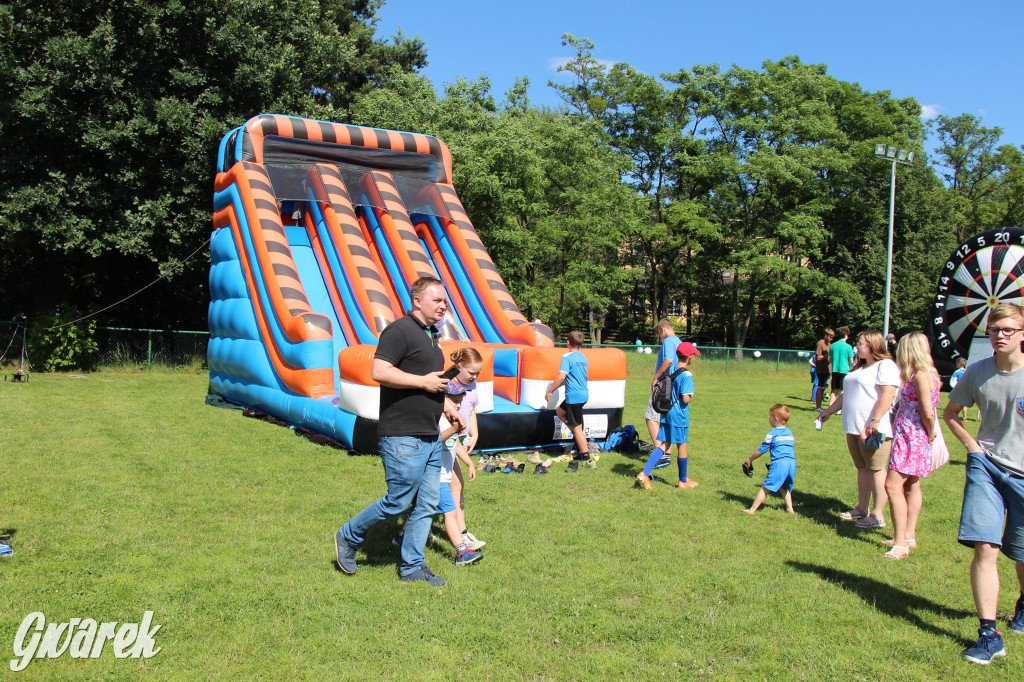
1002	331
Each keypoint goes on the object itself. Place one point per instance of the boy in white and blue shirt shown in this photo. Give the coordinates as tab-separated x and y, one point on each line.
781	445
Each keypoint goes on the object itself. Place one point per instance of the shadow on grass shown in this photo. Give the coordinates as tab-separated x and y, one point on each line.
822	510
890	600
380	550
6	534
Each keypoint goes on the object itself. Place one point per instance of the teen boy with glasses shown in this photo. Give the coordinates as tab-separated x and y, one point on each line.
994	490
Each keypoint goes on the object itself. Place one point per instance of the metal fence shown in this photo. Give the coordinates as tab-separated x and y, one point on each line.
117	346
728	359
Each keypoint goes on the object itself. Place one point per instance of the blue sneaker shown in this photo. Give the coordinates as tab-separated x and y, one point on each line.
1017	622
664	461
989	645
423	573
5	550
346	553
465	556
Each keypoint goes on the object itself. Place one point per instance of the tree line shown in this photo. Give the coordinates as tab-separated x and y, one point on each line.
746	202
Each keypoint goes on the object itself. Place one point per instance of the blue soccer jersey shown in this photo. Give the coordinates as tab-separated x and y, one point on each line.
574	364
780	443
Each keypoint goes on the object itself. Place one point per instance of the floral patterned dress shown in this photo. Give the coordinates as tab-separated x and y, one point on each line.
911	451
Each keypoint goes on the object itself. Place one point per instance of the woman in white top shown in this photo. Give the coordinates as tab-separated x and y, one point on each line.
868	392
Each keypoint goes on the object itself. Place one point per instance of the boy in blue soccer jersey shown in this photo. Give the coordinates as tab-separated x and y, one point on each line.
675	424
572	371
782	470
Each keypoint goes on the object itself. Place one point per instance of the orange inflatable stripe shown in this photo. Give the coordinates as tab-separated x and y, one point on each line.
410	241
455	297
495	294
507	388
257	129
352	249
286	292
603	364
378	262
319	251
354	364
314	383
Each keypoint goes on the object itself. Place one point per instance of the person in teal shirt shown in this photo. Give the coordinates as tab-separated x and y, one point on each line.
842	358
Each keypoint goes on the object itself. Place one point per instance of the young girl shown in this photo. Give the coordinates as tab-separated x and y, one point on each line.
470	362
913	431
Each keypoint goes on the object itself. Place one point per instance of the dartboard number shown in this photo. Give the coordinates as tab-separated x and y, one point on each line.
983	271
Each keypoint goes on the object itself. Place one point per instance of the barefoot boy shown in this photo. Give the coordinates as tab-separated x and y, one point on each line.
782	470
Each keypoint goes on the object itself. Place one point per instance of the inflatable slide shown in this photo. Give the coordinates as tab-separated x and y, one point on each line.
319	229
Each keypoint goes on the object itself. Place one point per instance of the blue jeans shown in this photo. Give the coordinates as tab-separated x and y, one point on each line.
412	469
992	496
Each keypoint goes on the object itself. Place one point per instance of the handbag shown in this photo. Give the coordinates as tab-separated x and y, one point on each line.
940	453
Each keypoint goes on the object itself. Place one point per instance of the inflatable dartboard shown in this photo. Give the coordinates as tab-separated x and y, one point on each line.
986	270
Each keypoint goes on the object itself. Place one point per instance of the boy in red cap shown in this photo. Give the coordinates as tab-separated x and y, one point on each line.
675	424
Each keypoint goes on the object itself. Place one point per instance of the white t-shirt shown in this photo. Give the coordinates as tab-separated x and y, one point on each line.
447	453
861	389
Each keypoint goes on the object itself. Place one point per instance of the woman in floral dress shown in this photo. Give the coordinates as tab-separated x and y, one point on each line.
913	432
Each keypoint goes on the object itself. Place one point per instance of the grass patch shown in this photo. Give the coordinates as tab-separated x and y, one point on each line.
125	493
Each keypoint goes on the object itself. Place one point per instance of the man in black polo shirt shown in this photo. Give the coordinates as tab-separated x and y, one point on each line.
408	365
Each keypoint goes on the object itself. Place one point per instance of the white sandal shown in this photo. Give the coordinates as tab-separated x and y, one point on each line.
894	553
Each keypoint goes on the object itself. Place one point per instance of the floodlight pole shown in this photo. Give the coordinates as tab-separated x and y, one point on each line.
888	262
906	158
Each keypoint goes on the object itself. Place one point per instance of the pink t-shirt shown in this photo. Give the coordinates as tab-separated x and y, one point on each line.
469	403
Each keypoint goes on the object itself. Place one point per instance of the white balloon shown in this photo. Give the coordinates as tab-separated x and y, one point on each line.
647	350
757	353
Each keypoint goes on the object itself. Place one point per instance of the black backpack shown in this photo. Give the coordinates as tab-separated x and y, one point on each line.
661	394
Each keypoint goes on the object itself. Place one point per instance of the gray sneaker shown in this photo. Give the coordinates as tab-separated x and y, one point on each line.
472	543
425	574
590	462
346	553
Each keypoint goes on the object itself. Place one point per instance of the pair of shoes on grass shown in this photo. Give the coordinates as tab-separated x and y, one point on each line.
852	515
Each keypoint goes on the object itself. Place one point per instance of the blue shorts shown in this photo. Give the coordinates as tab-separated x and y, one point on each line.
447	502
781	472
991	496
673	435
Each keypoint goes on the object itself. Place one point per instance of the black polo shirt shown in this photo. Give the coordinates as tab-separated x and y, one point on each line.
413	348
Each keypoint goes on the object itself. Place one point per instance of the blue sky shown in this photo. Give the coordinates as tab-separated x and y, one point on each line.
953	57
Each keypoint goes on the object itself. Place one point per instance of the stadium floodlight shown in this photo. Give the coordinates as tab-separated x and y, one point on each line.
906	158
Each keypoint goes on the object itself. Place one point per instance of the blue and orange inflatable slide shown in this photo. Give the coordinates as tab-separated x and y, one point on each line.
318	231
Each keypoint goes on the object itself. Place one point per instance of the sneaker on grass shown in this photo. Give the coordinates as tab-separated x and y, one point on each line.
425	574
346	554
5	549
466	556
1017	622
573	467
988	646
665	460
472	542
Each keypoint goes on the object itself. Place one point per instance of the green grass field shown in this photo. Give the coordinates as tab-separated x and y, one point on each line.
124	493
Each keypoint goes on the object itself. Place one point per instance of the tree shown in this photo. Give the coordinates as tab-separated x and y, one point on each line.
111	116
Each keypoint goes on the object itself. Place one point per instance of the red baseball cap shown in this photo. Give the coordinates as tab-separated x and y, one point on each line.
686	349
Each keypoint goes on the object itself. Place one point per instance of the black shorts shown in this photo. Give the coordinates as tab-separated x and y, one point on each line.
837	381
823	375
573	413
